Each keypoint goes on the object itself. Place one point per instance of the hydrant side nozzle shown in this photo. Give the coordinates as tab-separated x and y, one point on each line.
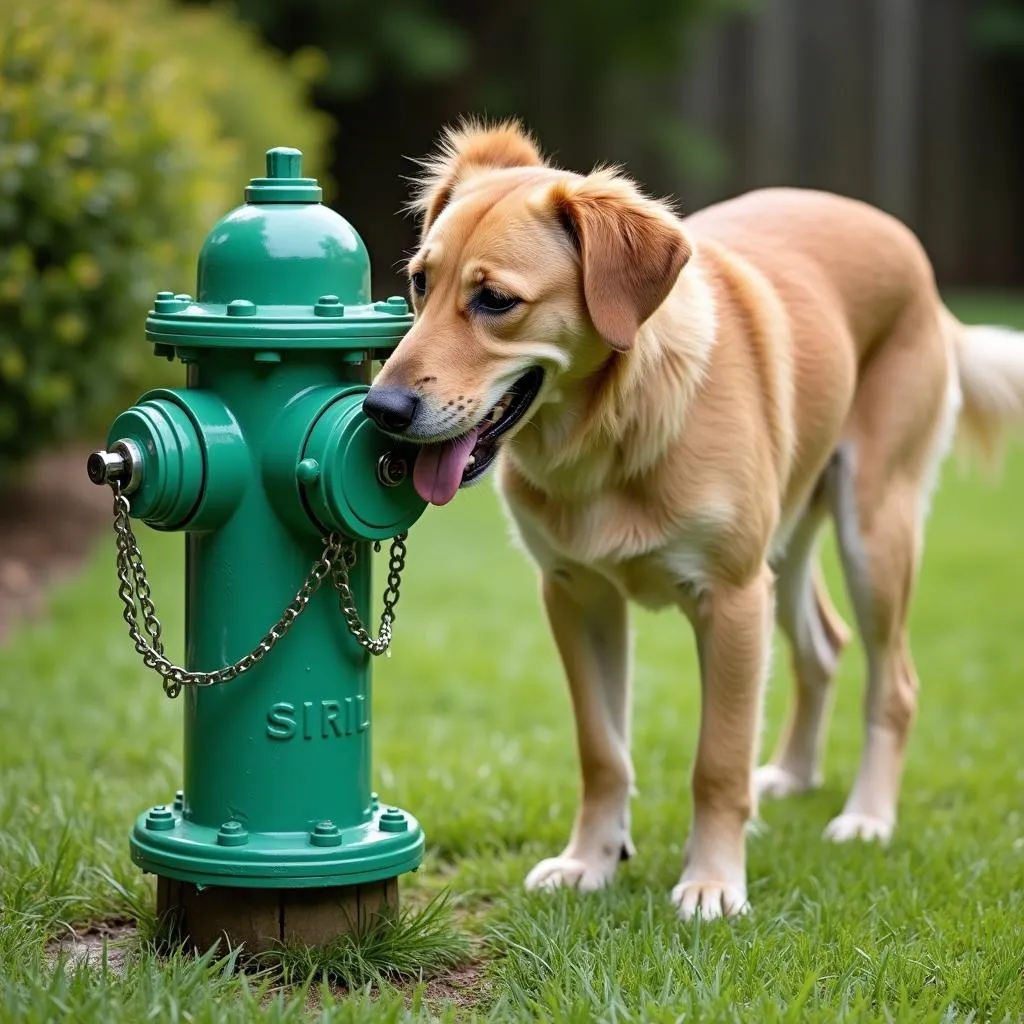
104	466
122	463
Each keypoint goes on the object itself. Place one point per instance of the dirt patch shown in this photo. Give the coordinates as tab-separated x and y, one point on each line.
466	986
85	945
49	518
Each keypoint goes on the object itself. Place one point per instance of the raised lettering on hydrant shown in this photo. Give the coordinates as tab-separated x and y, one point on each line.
325	719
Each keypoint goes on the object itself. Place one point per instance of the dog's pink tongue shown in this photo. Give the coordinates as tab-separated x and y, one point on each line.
439	468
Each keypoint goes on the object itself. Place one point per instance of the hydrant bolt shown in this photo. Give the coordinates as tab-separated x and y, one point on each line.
232	833
160	819
326	833
241	307
308	471
393	820
329	305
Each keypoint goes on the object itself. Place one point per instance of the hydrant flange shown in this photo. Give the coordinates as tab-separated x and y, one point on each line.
364	853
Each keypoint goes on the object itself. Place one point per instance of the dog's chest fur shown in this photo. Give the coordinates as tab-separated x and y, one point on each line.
652	562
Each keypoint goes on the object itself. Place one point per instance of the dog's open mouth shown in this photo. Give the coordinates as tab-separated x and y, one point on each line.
442	467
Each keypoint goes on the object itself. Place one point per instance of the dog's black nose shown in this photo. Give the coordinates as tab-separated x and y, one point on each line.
392	409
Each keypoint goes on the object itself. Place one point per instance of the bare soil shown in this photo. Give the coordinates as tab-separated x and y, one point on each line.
87	945
465	986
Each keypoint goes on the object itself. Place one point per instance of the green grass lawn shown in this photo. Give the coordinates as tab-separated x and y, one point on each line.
474	734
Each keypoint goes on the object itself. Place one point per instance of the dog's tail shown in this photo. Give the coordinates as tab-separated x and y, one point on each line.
991	363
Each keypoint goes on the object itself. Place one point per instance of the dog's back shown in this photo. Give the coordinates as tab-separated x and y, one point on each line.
816	247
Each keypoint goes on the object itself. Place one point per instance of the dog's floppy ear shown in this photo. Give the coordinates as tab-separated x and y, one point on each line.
468	148
631	251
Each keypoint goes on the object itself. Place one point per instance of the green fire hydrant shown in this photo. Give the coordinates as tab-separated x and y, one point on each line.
281	485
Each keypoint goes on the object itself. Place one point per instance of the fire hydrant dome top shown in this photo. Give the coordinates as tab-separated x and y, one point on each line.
281	270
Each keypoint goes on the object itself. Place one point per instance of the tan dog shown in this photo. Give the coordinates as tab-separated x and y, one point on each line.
678	405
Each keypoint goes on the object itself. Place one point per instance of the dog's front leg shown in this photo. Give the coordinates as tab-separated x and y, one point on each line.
589	621
733	626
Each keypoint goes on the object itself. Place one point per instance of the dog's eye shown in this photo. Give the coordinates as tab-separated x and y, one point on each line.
419	282
491	301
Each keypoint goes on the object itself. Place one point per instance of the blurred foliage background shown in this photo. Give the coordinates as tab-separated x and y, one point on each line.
999	25
128	126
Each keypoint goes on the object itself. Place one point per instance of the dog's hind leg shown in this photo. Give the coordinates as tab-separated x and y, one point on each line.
816	635
879	486
879	561
589	621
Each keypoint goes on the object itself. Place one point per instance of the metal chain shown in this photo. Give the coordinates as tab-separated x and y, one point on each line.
396	563
337	560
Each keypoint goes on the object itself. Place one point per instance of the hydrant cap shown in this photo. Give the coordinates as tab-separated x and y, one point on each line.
281	271
283	247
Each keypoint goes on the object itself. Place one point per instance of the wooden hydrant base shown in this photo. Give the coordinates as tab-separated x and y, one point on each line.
263	919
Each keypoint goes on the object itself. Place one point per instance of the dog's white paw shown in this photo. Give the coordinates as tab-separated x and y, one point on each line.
859	826
709	899
772	782
569	872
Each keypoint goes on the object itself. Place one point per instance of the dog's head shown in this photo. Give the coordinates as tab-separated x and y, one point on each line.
525	275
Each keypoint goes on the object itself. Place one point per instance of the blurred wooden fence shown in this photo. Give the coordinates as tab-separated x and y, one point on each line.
886	100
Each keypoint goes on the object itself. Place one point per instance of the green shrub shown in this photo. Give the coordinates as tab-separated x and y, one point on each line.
126	128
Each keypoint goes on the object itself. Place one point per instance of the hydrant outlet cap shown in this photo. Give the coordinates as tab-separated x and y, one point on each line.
284	182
